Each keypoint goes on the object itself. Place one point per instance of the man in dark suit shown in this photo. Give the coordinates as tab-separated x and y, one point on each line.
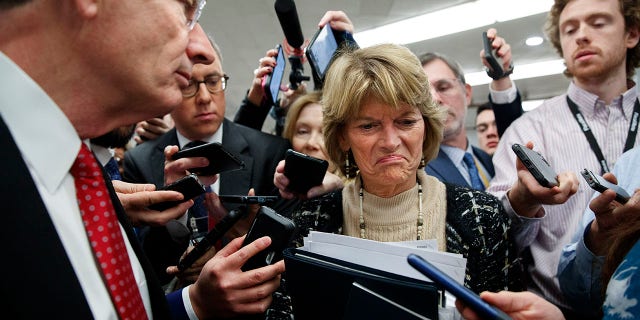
458	162
53	95
200	117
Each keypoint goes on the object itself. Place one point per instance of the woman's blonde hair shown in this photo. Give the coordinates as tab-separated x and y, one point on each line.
388	73
294	112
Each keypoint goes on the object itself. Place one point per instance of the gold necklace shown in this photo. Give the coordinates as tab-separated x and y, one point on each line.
420	222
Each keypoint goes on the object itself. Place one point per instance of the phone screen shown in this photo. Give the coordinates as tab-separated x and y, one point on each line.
321	49
277	74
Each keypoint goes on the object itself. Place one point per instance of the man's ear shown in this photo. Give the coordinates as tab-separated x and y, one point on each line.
633	36
87	8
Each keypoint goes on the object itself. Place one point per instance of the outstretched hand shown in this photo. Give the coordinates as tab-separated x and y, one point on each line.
517	305
609	214
527	195
136	198
224	290
330	182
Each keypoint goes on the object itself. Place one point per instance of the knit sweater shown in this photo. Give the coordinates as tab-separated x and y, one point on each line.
395	218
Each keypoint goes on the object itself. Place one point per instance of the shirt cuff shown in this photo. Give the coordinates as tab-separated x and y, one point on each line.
513	214
524	229
504	96
585	257
187	303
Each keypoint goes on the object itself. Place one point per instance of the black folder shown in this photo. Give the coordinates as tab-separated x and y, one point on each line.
322	287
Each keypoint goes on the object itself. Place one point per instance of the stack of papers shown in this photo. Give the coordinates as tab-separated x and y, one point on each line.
385	256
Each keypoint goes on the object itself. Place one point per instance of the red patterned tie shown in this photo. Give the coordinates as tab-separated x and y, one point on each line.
102	227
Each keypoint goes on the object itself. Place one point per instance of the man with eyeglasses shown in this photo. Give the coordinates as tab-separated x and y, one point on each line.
66	76
200	118
459	162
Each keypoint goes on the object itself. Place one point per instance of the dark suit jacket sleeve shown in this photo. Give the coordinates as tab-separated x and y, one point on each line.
251	115
176	306
131	170
506	113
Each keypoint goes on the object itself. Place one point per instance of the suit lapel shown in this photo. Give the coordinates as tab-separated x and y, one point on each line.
445	170
157	156
485	159
237	181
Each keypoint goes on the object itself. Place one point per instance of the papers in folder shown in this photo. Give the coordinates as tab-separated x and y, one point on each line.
387	256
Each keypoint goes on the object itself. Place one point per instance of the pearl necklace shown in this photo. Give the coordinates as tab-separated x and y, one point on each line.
420	215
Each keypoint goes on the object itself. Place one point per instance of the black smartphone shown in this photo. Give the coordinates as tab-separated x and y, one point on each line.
220	159
599	184
278	228
271	82
249	199
495	64
470	299
303	171
188	185
320	51
537	165
211	238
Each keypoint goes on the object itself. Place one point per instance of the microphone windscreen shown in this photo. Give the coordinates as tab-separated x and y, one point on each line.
288	17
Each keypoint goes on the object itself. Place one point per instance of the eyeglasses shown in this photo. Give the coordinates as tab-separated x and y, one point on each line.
213	83
445	87
194	10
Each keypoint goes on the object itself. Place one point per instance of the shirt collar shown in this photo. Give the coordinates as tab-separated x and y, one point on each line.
216	137
455	154
587	102
46	138
102	154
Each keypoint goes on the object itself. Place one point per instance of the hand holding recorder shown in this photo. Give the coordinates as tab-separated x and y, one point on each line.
496	56
136	197
611	209
527	195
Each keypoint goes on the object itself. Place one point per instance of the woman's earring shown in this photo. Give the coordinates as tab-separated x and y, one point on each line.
422	163
347	167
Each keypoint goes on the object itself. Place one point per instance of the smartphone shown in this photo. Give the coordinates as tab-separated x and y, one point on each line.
211	238
495	64
599	184
470	299
320	52
249	199
303	171
220	160
537	165
189	186
278	228
271	82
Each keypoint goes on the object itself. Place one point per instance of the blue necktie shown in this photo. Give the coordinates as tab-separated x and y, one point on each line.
476	182
198	215
113	169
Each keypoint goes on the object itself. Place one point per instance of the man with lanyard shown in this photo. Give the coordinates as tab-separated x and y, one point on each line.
588	127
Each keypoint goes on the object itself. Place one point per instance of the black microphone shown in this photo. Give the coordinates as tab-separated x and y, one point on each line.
288	17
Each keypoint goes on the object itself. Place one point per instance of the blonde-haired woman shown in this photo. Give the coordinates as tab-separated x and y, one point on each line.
380	128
